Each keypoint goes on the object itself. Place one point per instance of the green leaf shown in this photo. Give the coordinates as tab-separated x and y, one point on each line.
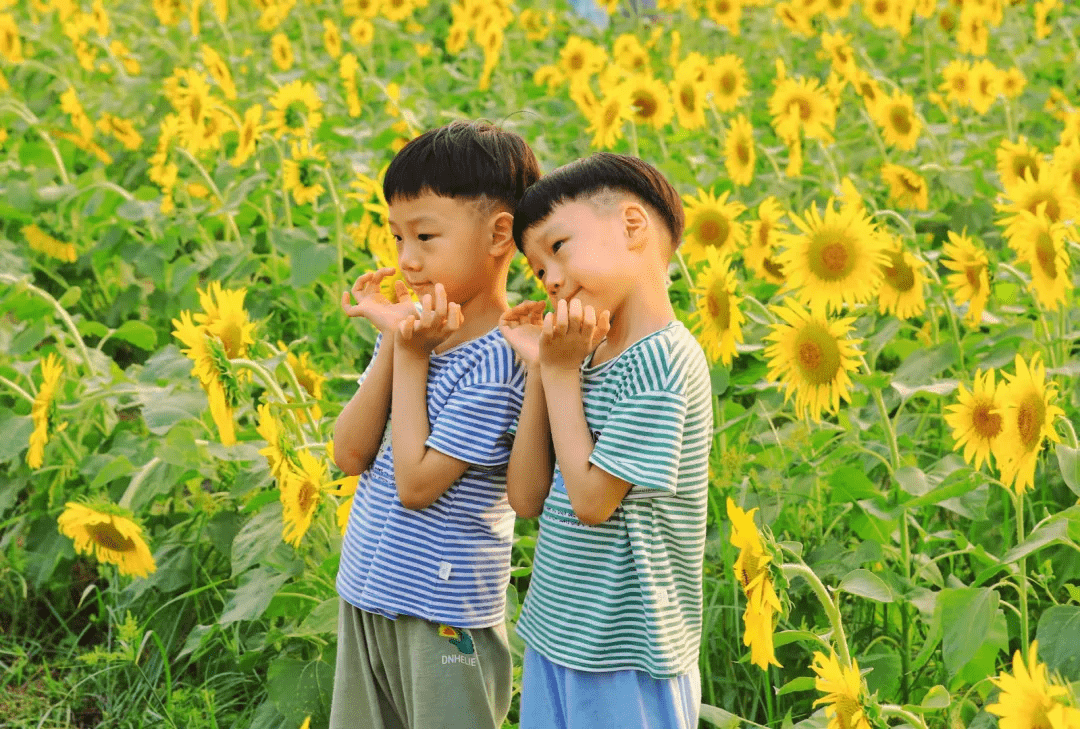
16	430
113	470
966	615
884	678
70	296
802	683
1054	531
784	637
163	409
136	332
252	596
322	620
258	538
718	717
851	484
719	376
912	480
311	263
865	583
1059	640
1069	462
938	387
300	689
936	698
921	366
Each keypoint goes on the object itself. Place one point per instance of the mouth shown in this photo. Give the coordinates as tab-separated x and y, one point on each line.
417	284
569	298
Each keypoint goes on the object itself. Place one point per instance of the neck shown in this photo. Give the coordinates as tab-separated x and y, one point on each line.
646	310
480	313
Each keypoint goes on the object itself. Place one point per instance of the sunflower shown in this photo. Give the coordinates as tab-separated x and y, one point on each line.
957	82
970	281
42	242
301	492
1043	29
726	79
711	224
120	129
794	19
51	369
249	132
688	96
895	115
581	59
1015	160
802	105
295	110
717	318
725	13
281	51
10	40
362	32
331	38
1028	416
309	379
837	9
110	534
1027	697
649	100
907	187
226	319
1051	193
607	120
837	48
985	86
537	26
753	572
902	281
762	241
811	356
972	33
739	154
1013	82
69	104
346	491
278	453
880	13
1066	164
843	689
1041	244
836	259
219	71
630	55
300	174
976	420
123	54
211	367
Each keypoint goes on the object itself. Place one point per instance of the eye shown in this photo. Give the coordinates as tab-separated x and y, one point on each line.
557	245
425	237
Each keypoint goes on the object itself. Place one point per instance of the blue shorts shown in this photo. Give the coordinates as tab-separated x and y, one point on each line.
557	697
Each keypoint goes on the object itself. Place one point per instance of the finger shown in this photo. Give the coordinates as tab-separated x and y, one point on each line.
454	317
548	327
574	316
588	320
440	302
536	312
345	300
427	313
603	325
561	318
401	290
406	327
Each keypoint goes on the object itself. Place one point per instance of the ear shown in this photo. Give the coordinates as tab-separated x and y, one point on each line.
502	234
636	224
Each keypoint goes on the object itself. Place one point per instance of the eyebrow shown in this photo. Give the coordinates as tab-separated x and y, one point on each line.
422	218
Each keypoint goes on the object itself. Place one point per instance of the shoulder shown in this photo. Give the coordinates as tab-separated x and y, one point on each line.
669	360
488	359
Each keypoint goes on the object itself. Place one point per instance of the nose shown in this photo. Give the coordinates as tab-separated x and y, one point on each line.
553	281
408	257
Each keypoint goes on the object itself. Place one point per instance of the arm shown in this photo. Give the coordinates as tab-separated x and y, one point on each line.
532	460
569	334
422	474
594	493
361	423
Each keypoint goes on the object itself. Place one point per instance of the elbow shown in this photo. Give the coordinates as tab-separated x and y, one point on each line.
523	507
349	463
412	498
591	514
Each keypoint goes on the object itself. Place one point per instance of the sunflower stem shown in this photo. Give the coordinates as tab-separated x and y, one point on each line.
28	396
61	311
1018	502
902	713
136	482
271	384
339	227
832	610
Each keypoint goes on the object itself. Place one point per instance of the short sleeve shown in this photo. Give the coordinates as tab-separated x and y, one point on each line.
474	424
364	374
641	443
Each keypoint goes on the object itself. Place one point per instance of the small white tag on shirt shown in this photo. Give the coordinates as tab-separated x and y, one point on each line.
664	598
444	570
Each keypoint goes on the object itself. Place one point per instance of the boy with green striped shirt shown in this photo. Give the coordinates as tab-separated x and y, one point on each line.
611	453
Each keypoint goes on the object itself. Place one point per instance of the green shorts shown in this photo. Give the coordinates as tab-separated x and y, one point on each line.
411	674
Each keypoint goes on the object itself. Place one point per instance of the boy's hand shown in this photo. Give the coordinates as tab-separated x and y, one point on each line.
436	322
522	326
373	306
570	333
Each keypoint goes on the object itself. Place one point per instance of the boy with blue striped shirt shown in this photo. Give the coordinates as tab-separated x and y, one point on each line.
425	560
611	452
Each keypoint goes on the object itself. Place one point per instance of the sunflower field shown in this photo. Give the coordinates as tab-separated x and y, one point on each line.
881	262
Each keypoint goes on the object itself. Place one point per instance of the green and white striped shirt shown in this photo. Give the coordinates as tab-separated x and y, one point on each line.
626	594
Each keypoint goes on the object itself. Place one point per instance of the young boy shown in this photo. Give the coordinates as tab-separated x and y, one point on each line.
611	453
426	557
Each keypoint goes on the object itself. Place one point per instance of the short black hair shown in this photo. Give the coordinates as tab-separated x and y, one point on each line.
600	172
470	159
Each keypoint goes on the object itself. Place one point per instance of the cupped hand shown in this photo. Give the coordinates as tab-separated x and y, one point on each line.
521	326
570	333
373	305
436	322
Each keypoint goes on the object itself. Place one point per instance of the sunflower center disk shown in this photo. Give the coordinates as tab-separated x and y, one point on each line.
817	354
972	274
1046	255
1024	163
898	274
306	498
645	105
1029	417
831	257
713	231
900	120
294	118
773	267
106	535
986	423
727	84
1053	207
718	305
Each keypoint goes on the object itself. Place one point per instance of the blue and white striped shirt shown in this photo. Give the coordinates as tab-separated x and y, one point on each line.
449	562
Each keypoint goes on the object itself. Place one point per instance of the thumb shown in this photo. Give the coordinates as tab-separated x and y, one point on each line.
401	290
603	325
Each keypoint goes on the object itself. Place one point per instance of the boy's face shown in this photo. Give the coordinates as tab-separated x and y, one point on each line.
580	252
442	240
